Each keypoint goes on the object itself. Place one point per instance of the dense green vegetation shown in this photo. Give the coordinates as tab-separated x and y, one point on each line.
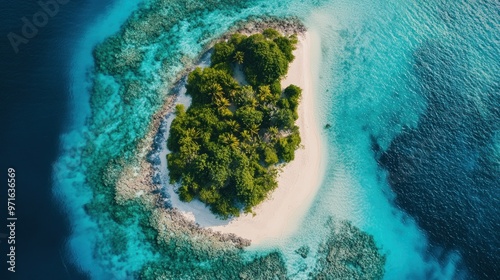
132	241
225	147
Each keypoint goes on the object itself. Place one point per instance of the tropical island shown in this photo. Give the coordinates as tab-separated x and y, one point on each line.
226	148
142	229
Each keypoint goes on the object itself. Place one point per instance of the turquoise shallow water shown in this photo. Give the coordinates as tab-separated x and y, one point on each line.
372	90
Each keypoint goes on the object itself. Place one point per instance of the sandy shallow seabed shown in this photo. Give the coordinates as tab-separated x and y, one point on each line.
280	215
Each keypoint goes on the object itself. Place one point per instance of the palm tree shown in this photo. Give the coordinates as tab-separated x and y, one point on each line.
215	90
188	148
215	87
191	133
264	93
232	94
246	135
224	112
234	125
233	141
222	105
229	139
254	130
239	57
252	102
221	101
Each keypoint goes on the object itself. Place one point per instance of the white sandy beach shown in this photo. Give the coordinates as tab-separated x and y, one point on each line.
280	215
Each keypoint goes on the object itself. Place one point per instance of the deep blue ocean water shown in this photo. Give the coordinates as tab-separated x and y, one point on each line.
34	102
412	91
446	171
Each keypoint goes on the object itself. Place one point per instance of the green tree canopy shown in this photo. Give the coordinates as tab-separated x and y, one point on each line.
226	145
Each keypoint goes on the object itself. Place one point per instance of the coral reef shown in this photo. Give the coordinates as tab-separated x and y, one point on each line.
349	253
134	79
